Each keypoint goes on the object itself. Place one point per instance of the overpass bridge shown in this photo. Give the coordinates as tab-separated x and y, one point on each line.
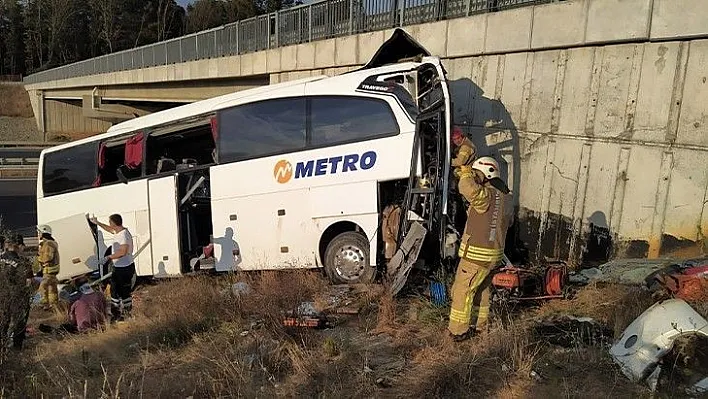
597	107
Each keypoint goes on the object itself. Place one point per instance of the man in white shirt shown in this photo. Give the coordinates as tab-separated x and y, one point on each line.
123	265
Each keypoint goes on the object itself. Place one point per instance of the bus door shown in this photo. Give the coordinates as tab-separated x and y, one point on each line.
77	246
428	184
164	227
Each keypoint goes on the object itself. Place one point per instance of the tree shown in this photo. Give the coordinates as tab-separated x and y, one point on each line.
237	10
205	14
11	38
105	14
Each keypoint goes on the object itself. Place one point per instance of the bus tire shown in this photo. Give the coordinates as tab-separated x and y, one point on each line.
347	259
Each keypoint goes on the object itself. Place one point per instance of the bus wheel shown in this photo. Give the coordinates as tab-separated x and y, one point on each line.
347	259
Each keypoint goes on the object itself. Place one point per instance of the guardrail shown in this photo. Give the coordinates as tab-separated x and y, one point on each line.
10	78
301	24
26	144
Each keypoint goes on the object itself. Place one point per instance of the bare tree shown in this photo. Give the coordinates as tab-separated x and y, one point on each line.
59	20
106	12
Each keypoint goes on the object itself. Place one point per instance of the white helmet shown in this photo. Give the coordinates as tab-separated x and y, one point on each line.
488	166
44	229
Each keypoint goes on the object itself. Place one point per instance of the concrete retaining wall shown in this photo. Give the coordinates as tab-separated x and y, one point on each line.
605	146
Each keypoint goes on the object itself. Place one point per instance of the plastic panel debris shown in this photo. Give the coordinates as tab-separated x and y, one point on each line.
651	336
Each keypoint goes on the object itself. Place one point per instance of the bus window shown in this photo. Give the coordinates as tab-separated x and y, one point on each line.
168	149
263	128
70	169
336	120
113	158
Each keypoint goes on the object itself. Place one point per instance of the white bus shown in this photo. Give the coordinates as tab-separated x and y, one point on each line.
292	175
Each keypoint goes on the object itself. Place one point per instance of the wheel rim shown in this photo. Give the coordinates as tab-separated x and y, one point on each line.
350	262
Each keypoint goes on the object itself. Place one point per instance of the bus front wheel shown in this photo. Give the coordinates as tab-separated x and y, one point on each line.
347	259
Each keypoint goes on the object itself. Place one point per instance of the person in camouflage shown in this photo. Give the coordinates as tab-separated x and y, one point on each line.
16	276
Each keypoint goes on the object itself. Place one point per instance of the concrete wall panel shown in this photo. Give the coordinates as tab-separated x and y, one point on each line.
657	82
484	77
432	36
541	100
247	64
602	179
548	32
693	123
324	53
576	91
461	88
260	63
536	153
616	68
288	58
346	51
274	60
306	56
641	190
368	44
512	93
615	20
466	36
679	18
686	198
509	31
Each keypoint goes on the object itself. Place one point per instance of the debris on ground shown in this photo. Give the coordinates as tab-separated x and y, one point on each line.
570	331
627	271
584	276
512	283
685	367
649	338
687	280
238	289
438	295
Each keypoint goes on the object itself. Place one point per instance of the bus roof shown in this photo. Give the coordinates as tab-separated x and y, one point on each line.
346	83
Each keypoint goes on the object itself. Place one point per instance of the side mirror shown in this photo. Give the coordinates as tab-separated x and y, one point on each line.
121	174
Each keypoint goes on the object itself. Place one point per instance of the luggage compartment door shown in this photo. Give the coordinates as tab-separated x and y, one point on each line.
164	229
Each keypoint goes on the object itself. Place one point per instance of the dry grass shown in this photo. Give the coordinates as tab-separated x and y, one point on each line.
14	101
194	337
612	305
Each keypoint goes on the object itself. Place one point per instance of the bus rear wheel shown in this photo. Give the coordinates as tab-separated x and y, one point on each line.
346	259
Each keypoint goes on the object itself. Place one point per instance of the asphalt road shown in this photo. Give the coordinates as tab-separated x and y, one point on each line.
20	152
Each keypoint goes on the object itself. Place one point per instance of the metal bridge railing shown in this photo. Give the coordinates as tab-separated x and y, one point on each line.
302	24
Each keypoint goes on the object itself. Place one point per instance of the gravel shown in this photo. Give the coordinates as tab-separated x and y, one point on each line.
19	129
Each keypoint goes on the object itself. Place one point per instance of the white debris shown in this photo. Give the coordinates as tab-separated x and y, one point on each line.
651	336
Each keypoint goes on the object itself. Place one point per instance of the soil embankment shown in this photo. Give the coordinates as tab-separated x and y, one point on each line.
16	119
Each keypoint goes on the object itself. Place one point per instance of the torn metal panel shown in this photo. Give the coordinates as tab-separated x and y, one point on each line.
402	262
651	336
399	46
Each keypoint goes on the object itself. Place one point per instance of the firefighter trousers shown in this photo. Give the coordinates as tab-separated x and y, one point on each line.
470	297
48	288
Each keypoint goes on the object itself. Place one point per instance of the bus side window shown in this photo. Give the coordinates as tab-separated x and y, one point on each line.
262	128
70	169
169	150
338	120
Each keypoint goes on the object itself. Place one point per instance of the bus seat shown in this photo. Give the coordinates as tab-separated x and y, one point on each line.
166	165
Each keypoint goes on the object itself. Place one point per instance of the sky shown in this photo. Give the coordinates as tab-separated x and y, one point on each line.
184	3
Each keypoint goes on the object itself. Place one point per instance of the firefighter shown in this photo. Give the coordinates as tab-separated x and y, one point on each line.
466	150
482	244
48	259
